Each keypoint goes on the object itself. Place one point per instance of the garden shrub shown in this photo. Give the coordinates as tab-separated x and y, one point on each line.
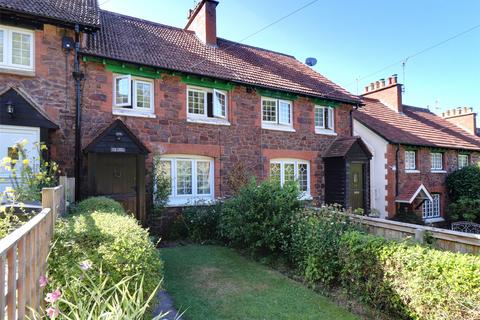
465	209
315	242
259	217
107	239
202	221
463	183
409	280
101	204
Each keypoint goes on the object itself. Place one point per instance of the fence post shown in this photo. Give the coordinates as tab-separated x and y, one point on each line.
420	235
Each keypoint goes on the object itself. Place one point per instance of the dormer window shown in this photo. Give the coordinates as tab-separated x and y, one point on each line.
207	105
16	48
133	96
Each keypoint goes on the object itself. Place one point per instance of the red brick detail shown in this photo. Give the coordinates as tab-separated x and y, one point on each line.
391	96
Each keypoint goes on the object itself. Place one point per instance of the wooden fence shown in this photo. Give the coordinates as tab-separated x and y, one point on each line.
23	258
444	239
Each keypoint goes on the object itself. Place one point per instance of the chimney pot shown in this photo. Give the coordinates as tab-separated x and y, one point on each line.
382	81
372	86
377	84
366	88
394	78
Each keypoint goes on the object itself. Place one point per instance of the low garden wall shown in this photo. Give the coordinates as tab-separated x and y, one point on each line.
444	239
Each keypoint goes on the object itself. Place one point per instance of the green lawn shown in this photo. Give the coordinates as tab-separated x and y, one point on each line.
212	282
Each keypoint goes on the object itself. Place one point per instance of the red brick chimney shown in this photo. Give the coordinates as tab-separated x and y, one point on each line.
389	93
203	21
464	118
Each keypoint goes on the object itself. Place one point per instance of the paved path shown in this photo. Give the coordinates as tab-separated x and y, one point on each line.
165	304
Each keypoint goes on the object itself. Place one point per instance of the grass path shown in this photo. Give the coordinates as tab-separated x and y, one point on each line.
212	282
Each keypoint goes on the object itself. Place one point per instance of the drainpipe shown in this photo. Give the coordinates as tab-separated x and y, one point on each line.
355	107
78	77
397	152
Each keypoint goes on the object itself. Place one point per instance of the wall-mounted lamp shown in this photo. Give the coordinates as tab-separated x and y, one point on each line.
10	108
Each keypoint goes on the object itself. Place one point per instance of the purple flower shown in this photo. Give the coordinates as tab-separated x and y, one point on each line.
42	281
85	265
52	297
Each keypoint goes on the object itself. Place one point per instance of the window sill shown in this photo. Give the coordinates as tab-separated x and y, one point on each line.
214	121
305	197
277	127
132	113
27	73
326	132
190	201
412	171
434	220
438	171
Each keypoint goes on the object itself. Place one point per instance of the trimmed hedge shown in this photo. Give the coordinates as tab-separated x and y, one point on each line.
463	183
110	239
408	280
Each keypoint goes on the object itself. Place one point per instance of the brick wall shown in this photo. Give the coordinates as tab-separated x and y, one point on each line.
434	182
243	141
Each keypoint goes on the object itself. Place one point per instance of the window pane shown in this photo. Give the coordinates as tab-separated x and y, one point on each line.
2	38
462	161
220	109
184	177
269	110
319	117
196	102
203	177
21	46
436	161
144	92
289	172
303	177
329	120
284	112
410	160
122	90
275	172
164	170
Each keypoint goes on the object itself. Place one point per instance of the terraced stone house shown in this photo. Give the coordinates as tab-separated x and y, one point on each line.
117	97
414	150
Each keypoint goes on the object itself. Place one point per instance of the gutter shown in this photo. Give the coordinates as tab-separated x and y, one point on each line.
78	77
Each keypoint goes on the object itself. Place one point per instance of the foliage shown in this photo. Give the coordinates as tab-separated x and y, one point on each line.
202	221
410	281
259	217
101	204
465	209
92	297
162	187
108	238
238	177
28	180
8	221
315	242
463	183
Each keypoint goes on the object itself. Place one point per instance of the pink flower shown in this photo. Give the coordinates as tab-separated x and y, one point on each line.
52	312
52	297
42	281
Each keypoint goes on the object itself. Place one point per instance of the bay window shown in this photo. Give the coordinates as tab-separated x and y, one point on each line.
133	95
289	170
191	178
277	114
16	48
204	104
324	120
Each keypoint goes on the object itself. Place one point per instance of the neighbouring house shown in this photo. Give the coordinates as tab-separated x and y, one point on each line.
413	150
196	105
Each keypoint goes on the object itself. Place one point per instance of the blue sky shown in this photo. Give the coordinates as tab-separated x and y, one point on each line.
352	39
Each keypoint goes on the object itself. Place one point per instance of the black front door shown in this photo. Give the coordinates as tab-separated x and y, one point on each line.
356	186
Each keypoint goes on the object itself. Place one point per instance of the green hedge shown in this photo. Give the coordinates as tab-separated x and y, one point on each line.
410	281
110	239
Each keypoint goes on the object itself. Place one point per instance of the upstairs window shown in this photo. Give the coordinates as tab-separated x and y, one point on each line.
436	161
431	209
288	170
16	48
462	161
133	94
324	119
410	161
204	103
276	112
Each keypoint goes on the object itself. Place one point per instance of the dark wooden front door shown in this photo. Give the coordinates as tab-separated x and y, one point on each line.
356	186
116	177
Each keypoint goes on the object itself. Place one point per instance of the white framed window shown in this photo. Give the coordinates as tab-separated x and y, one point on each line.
431	209
133	94
207	104
324	118
410	160
191	178
436	161
285	170
276	112
17	48
463	161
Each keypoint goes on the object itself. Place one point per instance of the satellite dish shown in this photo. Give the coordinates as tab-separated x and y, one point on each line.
311	62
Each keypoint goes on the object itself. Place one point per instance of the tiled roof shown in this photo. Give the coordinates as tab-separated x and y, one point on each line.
411	190
341	146
144	42
82	12
415	126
